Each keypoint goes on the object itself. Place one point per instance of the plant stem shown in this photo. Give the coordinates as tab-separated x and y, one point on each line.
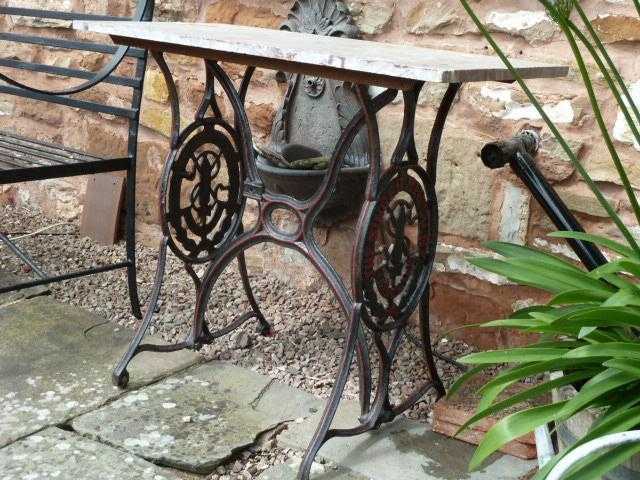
607	58
608	79
598	113
563	143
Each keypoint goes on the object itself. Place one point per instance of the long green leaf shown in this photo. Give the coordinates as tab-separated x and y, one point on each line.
578	279
627	365
600	317
523	371
579	296
510	250
598	240
613	350
624	298
600	385
621	421
520	355
597	465
554	281
624	265
526	395
514	323
512	427
464	378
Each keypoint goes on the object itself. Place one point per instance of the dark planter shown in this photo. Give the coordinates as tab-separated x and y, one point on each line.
345	201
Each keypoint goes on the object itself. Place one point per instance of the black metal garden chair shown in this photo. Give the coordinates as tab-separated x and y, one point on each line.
27	159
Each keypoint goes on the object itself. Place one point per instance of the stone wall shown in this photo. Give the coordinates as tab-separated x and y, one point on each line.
477	204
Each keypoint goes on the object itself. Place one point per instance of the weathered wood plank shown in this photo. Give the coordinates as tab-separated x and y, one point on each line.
340	58
102	208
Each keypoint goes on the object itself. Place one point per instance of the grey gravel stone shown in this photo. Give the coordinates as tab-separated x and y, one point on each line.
55	453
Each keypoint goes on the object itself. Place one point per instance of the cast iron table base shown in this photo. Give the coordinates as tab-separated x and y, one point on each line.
390	272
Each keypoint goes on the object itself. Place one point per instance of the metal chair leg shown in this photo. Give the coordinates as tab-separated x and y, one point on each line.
130	223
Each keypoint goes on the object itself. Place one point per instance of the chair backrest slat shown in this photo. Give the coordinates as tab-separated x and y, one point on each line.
14	143
68	44
118	70
54	15
130	113
69	72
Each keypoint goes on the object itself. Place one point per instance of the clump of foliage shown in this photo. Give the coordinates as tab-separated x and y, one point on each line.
590	330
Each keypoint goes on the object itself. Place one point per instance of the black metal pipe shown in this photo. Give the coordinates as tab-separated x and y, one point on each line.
519	153
22	255
66	276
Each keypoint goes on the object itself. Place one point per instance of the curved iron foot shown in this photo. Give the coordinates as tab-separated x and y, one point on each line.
120	375
120	378
322	435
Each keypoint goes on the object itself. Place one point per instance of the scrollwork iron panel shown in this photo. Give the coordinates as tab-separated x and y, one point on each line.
203	207
395	267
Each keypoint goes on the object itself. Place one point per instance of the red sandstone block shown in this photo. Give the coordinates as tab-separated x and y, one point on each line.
448	418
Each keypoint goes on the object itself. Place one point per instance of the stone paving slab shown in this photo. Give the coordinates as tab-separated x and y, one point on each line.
196	421
288	472
402	449
7	279
57	454
56	362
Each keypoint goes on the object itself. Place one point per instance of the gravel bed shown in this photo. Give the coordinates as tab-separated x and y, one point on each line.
308	326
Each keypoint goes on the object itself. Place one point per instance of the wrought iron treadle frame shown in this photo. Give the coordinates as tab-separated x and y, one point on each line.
390	273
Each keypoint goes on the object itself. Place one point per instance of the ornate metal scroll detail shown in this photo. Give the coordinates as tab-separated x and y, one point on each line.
321	17
394	266
203	206
314	86
318	17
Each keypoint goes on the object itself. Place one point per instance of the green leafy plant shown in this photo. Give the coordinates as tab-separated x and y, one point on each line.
590	330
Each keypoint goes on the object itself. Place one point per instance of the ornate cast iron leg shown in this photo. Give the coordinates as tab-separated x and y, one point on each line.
212	215
302	240
390	275
120	373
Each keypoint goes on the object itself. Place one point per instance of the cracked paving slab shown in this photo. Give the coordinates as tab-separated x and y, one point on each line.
52	371
7	279
402	449
318	472
56	454
199	419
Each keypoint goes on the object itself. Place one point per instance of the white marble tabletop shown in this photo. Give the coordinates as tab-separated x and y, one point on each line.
341	58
